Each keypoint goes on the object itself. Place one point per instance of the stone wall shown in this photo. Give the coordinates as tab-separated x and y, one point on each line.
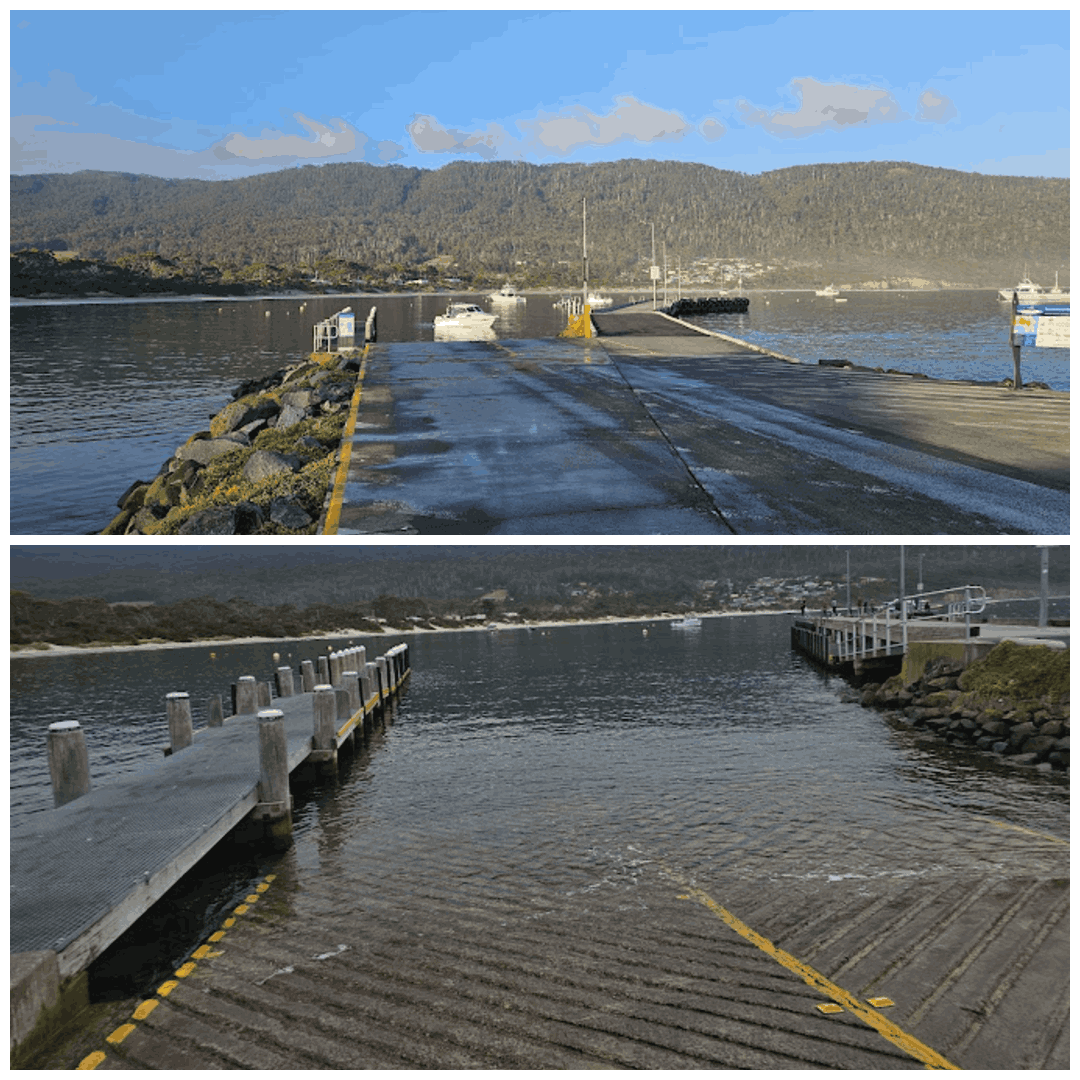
1013	703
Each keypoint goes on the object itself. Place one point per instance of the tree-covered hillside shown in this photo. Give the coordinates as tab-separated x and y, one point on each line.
853	221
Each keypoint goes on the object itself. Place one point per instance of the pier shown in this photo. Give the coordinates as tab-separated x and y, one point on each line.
655	426
84	872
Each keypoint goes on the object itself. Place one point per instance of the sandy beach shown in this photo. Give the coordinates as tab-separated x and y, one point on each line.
490	626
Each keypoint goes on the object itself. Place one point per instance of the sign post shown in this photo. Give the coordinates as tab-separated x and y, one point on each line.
1045	326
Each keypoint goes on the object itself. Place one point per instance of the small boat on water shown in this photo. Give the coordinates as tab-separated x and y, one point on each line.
829	290
689	623
594	300
1027	290
464	316
506	295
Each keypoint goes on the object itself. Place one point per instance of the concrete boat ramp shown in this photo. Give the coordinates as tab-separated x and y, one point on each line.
656	427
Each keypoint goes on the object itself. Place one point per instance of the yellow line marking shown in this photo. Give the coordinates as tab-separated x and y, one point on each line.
217	935
145	1009
333	512
261	887
908	1043
185	970
269	878
352	722
251	899
1021	829
91	1061
829	1007
240	909
228	923
120	1034
881	1002
166	988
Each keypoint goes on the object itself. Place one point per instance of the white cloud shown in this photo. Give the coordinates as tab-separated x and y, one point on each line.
711	129
430	137
325	143
629	120
826	107
935	108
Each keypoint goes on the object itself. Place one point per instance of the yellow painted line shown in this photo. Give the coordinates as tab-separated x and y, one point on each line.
908	1043
261	887
166	988
217	935
269	878
251	898
145	1009
228	923
1021	829
352	722
120	1034
91	1061
333	512
240	909
185	970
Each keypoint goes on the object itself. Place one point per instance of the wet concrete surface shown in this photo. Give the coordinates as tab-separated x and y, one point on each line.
657	428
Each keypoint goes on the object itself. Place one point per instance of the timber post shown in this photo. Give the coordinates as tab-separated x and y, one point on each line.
178	711
69	763
324	750
274	808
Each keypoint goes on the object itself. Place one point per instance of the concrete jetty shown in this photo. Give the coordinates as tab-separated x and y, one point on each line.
657	427
81	874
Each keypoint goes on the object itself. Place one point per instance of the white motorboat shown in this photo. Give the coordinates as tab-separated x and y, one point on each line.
1027	291
829	290
689	623
593	300
506	295
464	316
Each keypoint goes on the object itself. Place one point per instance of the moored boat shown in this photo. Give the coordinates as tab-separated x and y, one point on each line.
689	623
506	295
465	316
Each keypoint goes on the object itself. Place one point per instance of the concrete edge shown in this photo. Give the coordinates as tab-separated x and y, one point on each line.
733	340
40	1002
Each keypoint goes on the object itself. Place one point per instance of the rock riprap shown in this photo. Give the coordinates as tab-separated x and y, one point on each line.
1013	703
263	467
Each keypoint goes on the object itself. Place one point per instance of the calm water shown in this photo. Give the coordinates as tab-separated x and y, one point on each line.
953	334
563	761
103	393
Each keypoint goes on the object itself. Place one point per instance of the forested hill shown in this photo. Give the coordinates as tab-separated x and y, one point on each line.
849	221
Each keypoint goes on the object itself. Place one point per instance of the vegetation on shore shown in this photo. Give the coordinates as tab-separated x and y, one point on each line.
471	224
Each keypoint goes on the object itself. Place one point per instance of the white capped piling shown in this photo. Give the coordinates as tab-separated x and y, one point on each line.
69	764
324	670
335	668
307	677
178	711
246	695
263	695
384	684
275	805
215	713
369	682
284	678
324	736
350	681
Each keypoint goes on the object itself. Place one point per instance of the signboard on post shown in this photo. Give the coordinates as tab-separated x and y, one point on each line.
1044	326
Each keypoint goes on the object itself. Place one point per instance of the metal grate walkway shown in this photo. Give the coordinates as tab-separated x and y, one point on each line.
82	873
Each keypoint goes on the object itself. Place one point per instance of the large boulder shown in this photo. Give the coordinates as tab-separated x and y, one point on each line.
266	463
238	413
205	450
217	521
289	514
289	415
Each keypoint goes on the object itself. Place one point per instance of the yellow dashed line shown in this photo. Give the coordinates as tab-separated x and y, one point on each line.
145	1008
333	512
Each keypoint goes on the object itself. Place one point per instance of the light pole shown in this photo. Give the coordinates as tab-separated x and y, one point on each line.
652	264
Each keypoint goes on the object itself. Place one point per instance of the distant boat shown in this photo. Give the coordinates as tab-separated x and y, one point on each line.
593	300
1027	290
506	295
689	623
829	290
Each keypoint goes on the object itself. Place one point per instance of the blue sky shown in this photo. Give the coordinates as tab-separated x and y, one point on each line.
221	95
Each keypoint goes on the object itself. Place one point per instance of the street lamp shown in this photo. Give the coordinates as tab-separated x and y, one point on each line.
652	264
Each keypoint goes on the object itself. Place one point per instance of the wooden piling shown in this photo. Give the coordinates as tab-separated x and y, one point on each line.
274	808
246	696
263	695
324	751
324	670
178	711
307	677
69	764
215	711
350	681
284	677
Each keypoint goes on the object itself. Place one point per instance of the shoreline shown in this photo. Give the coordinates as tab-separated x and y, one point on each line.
491	626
